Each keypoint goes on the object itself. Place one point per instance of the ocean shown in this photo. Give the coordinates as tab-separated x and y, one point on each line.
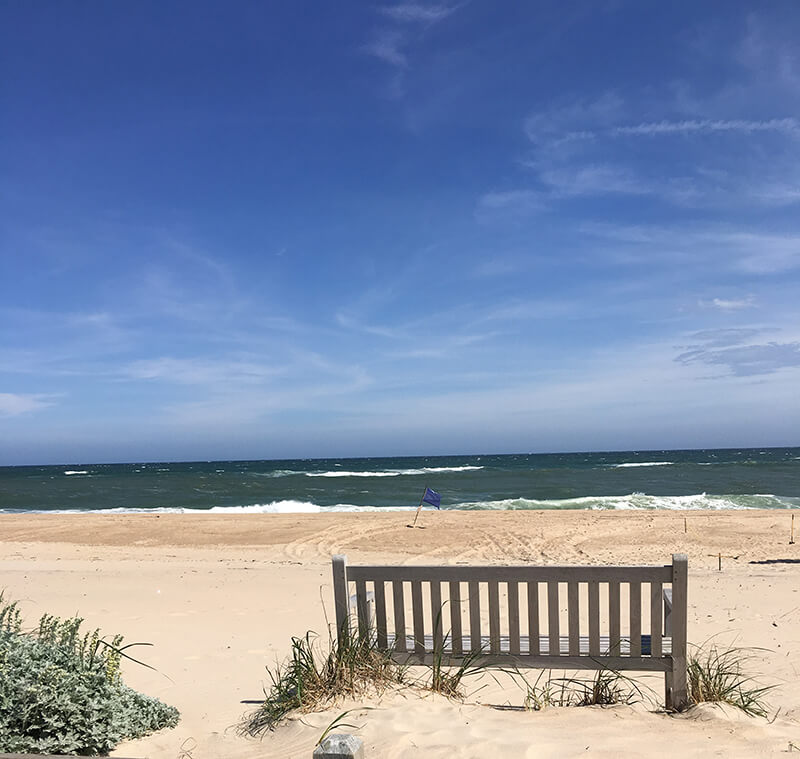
766	478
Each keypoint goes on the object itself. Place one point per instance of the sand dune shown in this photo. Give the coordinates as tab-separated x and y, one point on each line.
220	596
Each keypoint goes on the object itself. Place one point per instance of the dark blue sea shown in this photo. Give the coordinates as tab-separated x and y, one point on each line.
767	478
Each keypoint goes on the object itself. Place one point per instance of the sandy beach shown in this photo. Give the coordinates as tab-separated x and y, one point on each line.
220	596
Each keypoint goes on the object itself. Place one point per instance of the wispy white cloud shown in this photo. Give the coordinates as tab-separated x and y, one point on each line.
513	202
405	26
789	126
728	304
418	12
739	250
387	45
14	404
201	371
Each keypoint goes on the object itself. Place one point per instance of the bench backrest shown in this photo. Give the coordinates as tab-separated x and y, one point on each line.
571	616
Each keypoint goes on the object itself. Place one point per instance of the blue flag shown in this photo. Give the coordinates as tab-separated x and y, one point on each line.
432	497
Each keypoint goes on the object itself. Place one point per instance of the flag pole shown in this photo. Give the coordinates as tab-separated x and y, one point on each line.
416	516
419	508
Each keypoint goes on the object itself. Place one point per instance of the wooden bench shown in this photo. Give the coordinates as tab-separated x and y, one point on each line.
569	617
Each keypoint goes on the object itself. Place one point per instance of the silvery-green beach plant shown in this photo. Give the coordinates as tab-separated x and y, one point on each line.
61	690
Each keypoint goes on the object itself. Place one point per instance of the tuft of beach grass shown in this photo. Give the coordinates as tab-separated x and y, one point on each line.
717	674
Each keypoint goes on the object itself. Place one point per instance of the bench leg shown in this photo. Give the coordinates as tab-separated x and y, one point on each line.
676	693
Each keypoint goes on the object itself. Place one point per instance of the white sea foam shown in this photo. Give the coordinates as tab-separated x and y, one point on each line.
642	463
395	472
76	471
631	502
641	501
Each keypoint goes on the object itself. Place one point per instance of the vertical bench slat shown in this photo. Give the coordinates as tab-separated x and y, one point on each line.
614	623
437	612
594	618
380	613
553	628
574	619
533	618
361	608
419	621
656	590
474	616
494	617
341	596
455	617
513	618
399	611
636	618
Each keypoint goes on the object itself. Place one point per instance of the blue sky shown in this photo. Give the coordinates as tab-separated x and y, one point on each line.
267	230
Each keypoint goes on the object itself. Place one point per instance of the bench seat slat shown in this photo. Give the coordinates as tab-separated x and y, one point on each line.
544	646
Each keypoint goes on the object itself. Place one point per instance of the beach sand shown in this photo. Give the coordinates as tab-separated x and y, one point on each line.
220	597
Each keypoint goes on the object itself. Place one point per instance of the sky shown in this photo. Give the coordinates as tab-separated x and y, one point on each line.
315	229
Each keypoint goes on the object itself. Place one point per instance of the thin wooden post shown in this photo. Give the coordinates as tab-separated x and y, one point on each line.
341	597
677	693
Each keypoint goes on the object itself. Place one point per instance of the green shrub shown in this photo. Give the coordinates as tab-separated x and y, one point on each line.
61	691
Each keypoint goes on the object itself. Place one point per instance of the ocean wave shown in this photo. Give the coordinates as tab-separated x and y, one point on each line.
395	472
640	502
630	502
640	463
276	507
76	471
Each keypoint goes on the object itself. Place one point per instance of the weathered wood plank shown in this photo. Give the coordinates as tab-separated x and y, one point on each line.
614	622
573	618
436	614
553	623
636	618
494	617
594	618
419	621
446	573
513	617
362	609
399	612
455	617
533	615
341	595
680	574
656	601
380	613
475	615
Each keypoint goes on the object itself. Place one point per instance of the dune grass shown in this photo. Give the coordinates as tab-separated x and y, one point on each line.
717	674
310	680
606	688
